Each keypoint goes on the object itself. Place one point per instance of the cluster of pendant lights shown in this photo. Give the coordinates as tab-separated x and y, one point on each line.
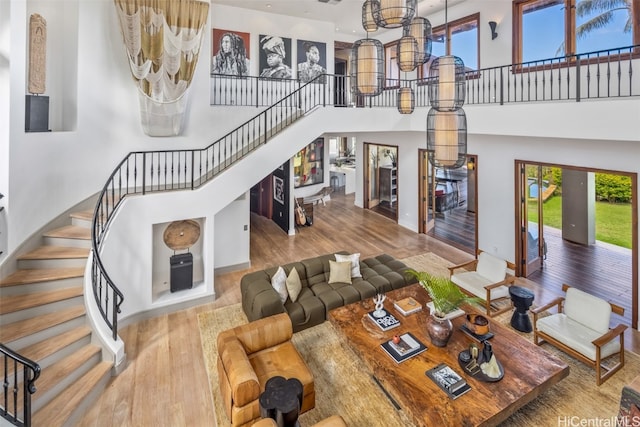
446	121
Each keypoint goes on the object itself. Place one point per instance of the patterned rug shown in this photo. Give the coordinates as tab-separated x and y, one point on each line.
344	387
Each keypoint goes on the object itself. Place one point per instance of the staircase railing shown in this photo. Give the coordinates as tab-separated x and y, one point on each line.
18	384
144	172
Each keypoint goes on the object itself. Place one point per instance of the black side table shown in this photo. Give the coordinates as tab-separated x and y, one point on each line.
522	299
281	401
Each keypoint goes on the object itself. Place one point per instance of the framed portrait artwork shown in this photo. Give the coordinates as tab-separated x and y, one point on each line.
278	189
230	55
312	61
275	57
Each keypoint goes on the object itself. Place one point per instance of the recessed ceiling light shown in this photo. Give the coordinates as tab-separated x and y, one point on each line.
268	5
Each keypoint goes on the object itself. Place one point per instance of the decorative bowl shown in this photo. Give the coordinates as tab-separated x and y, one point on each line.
477	324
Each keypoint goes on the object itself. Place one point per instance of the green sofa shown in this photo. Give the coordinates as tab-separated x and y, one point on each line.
380	274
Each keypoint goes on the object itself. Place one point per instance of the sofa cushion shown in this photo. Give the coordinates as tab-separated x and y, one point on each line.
492	268
355	262
293	284
279	283
575	335
591	311
339	272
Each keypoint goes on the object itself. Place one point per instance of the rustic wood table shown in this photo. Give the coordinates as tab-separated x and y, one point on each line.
528	369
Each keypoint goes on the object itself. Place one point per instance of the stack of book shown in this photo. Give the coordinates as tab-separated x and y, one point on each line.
407	306
448	380
403	347
386	321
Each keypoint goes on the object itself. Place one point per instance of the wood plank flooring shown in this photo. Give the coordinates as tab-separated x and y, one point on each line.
165	383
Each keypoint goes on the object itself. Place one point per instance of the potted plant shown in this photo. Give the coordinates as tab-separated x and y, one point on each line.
446	297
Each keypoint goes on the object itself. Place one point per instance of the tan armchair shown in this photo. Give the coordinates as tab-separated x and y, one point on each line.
581	329
248	356
486	277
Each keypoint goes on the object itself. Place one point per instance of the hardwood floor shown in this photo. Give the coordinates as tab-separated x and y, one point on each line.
165	383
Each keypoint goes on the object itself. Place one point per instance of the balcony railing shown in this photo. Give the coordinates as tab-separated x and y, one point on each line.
593	75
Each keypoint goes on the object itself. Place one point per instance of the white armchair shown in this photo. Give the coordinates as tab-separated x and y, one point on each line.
581	329
486	277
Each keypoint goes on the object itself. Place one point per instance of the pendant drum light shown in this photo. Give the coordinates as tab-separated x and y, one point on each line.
446	83
447	138
421	30
406	100
367	67
393	13
407	53
368	23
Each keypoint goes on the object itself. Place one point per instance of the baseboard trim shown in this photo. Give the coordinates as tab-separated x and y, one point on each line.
232	268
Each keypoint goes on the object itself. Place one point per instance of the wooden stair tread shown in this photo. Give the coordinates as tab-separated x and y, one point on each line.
36	275
85	215
70	232
23	328
13	303
44	348
56	412
55	252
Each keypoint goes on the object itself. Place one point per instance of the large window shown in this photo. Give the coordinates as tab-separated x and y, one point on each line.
462	41
546	29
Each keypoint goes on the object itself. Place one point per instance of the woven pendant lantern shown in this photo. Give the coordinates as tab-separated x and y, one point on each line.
368	23
446	83
421	30
393	13
407	53
406	100
367	67
447	138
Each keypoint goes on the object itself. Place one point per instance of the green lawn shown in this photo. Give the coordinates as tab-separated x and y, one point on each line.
613	221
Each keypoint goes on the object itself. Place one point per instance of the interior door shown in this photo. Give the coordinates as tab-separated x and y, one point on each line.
531	214
371	176
427	193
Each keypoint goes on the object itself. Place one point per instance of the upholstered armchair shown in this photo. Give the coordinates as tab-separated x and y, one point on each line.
250	354
581	328
486	277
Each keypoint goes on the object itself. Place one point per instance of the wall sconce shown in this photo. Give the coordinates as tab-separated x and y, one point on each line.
493	25
471	163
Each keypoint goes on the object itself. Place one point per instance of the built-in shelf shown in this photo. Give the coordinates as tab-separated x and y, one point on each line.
388	184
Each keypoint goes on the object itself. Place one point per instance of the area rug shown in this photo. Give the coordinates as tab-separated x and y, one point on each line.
344	387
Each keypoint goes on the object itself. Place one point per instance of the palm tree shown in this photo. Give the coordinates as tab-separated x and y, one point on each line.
607	8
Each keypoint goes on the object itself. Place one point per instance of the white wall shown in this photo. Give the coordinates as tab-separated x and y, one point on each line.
5	53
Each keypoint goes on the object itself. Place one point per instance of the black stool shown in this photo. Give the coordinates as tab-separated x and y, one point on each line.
281	401
522	299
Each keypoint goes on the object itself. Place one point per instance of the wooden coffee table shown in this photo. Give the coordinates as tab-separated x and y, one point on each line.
528	369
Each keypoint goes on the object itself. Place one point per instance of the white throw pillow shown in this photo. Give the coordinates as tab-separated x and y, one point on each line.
355	263
294	285
279	283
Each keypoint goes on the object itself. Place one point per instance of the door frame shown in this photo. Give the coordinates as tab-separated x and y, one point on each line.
520	245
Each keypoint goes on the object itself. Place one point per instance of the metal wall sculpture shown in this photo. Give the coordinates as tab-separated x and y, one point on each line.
163	40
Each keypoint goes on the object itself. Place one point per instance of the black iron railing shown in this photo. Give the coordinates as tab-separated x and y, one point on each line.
600	74
144	172
18	384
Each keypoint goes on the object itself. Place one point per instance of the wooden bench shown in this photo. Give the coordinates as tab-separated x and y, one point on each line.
580	328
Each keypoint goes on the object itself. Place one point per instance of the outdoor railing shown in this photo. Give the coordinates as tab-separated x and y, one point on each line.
19	376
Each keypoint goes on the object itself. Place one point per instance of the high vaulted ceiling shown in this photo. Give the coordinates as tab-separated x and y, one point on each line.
346	15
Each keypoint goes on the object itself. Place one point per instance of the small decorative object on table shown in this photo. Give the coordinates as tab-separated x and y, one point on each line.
386	322
448	380
482	365
379	302
477	327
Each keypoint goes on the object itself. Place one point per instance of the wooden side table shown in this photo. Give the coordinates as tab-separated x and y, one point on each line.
281	401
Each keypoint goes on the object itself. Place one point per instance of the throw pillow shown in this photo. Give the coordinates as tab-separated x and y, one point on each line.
294	285
279	283
339	272
355	263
